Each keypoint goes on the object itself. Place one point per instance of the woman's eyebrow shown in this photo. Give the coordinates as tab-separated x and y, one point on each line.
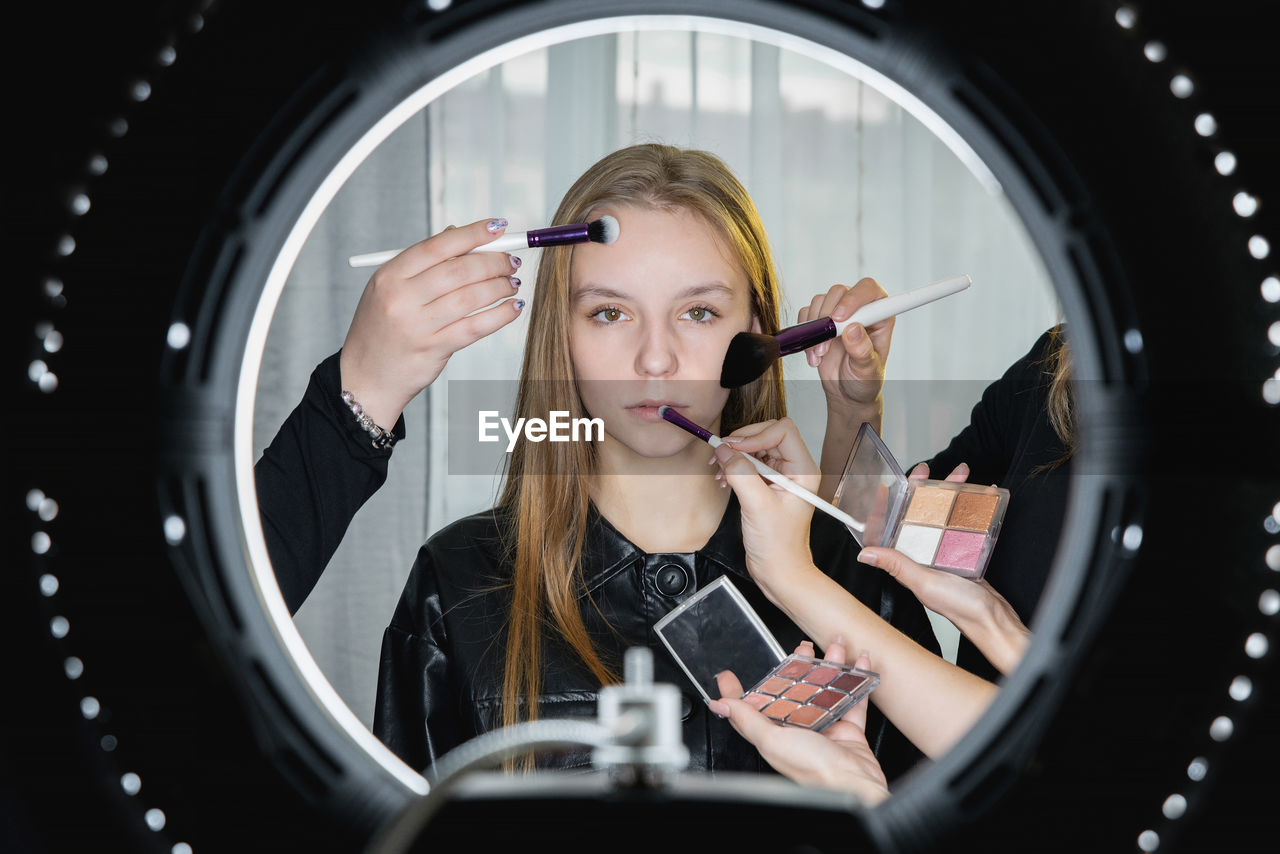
717	288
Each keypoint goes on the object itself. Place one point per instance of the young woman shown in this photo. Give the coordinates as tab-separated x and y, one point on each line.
525	610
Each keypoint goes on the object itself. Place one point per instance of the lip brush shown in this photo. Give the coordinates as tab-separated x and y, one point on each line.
765	471
751	353
603	230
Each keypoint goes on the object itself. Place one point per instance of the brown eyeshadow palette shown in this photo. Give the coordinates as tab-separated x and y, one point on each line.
944	524
716	629
810	692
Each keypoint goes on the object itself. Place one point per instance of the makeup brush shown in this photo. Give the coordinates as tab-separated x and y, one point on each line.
669	414
603	230
750	353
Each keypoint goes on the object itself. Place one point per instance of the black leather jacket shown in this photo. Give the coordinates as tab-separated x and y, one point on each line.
440	679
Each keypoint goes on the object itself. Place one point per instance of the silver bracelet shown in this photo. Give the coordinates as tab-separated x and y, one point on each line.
381	438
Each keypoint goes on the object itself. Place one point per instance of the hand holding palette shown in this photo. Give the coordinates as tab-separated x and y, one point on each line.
939	523
716	629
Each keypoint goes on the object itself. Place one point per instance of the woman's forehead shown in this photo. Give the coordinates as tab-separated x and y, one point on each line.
674	249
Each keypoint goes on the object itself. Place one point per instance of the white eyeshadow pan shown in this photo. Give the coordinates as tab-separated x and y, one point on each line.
919	543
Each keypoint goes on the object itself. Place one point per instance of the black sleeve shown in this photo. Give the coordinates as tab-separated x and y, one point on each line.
416	711
313	477
986	444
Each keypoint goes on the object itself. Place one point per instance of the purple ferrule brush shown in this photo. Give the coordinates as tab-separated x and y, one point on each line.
770	474
751	353
802	336
669	414
603	230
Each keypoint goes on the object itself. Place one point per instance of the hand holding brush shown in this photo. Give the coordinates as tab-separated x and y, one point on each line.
750	354
603	230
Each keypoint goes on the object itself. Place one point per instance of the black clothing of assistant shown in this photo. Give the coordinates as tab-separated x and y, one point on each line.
440	680
1007	442
313	477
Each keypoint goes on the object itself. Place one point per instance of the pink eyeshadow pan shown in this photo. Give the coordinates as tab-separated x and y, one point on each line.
775	685
806	716
821	675
794	669
801	692
959	550
781	709
758	701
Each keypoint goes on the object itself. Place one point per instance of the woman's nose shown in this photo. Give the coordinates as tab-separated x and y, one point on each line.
657	355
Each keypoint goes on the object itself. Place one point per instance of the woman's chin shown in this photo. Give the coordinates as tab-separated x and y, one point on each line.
652	443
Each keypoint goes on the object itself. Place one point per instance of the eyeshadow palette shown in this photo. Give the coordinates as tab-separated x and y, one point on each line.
939	523
810	692
716	629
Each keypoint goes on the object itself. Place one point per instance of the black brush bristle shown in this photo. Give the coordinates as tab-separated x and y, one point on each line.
603	230
750	354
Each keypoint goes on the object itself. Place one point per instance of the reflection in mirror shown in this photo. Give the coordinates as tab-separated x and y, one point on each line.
848	182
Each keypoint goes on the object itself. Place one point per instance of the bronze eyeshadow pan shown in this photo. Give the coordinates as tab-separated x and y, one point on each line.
810	692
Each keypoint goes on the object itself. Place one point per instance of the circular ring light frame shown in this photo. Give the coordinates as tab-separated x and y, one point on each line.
1083	207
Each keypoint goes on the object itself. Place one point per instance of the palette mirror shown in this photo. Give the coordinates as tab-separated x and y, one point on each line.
853	177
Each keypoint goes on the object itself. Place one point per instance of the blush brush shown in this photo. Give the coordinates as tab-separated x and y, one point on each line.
751	353
603	230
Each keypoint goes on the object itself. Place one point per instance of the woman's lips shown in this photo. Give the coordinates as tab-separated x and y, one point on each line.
647	410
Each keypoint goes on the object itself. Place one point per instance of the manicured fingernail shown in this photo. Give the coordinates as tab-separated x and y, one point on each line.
712	461
920	469
515	261
854	332
869	558
519	305
865	654
838	639
807	645
495	225
812	360
515	281
718	708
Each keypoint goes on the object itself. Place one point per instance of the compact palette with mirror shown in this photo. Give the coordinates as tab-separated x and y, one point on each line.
716	629
939	523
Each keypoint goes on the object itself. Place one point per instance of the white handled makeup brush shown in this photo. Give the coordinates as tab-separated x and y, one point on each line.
669	414
603	230
751	353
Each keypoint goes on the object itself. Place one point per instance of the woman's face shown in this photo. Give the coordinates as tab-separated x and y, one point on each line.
653	314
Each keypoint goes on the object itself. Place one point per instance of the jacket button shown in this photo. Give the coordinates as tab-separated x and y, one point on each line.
672	579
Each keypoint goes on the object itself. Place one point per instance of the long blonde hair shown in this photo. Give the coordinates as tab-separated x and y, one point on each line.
546	489
1058	406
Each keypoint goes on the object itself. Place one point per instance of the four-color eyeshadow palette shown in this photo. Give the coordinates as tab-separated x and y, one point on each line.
939	523
716	629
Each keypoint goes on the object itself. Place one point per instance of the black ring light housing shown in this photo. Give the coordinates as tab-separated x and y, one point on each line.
164	710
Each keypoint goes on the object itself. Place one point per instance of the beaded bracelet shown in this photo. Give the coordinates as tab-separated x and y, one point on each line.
381	438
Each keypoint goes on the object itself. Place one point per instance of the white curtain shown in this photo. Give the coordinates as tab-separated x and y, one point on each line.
849	185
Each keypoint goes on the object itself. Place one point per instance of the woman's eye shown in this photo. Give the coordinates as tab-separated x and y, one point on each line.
700	313
608	315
